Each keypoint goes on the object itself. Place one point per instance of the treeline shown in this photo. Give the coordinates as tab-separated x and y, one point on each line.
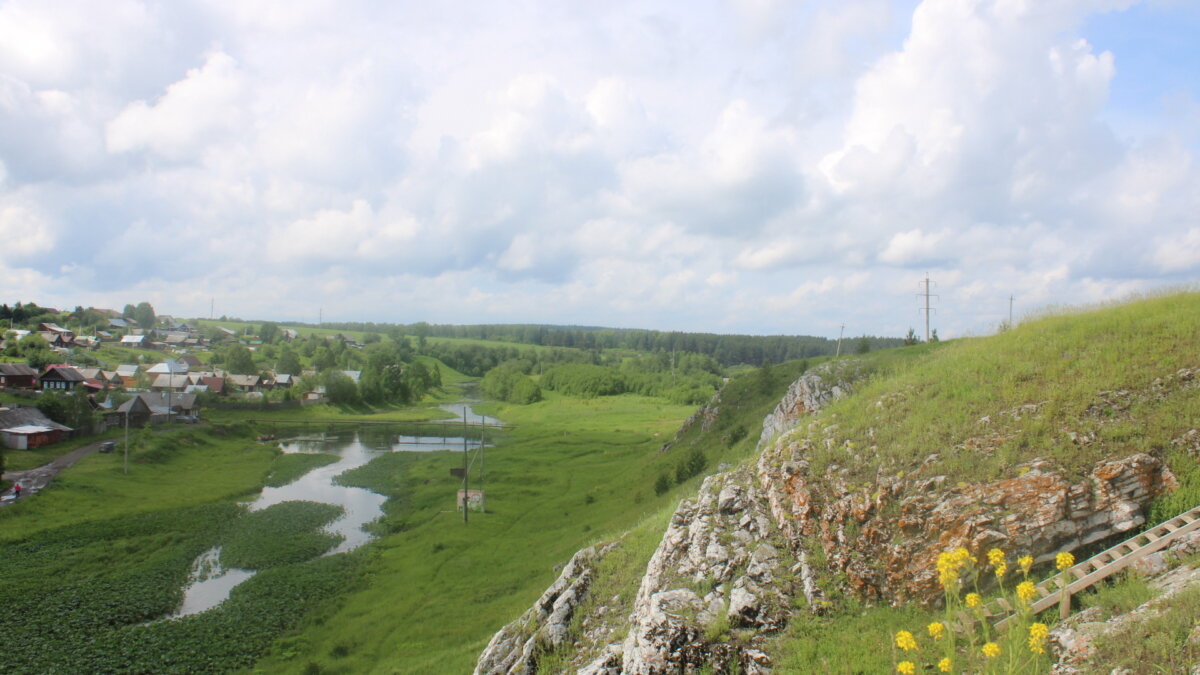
681	378
726	349
476	360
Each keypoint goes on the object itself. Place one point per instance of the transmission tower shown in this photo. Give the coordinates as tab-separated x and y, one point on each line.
926	308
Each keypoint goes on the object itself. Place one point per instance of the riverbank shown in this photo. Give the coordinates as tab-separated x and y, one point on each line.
436	588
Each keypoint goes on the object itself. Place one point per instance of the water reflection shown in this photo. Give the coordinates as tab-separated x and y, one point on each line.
211	583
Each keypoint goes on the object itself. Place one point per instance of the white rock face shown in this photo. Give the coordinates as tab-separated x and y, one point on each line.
808	394
721	539
514	649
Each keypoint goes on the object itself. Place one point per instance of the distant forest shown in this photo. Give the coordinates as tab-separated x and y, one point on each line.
727	350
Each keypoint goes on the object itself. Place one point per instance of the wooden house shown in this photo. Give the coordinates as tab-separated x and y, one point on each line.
24	428
18	376
60	377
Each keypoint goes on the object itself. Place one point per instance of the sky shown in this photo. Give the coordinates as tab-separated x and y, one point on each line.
731	166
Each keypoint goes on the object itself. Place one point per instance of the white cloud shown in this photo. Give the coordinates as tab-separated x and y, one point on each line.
192	111
754	165
913	247
1178	253
24	231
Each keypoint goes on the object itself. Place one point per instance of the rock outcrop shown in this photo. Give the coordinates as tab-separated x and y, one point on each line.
719	568
810	393
884	537
514	650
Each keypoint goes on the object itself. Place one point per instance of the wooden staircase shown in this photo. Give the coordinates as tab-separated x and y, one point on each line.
1091	571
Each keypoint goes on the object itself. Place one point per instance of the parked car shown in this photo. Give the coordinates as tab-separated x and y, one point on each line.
187	419
108	446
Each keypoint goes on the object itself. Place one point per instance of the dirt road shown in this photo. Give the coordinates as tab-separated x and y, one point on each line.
33	480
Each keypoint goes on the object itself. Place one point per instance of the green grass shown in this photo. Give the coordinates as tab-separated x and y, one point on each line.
1119	594
570	473
282	534
411	618
1158	645
96	559
852	640
936	400
183	467
289	467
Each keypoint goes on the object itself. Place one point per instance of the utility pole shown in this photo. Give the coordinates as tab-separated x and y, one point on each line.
927	309
466	471
839	348
1010	301
482	443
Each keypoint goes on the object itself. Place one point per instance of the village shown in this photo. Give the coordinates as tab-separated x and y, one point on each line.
171	376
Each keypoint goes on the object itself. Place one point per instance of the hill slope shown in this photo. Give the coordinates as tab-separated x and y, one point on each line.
1053	436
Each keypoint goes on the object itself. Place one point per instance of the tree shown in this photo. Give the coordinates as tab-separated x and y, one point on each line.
288	362
269	332
72	409
340	388
864	345
934	336
144	315
911	339
239	360
421	330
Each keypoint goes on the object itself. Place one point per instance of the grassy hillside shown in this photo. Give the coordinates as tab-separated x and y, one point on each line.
1074	387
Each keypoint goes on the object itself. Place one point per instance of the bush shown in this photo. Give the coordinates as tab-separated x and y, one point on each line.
662	485
584	380
508	382
690	466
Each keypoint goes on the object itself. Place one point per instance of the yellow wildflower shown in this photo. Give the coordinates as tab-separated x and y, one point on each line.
1026	591
1037	638
1025	561
906	668
1000	570
936	629
991	650
906	641
995	557
945	665
1064	560
973	600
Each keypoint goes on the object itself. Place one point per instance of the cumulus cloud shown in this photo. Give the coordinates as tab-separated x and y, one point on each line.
24	231
913	247
192	112
755	165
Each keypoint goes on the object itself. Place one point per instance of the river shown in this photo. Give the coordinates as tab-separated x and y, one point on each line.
211	583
